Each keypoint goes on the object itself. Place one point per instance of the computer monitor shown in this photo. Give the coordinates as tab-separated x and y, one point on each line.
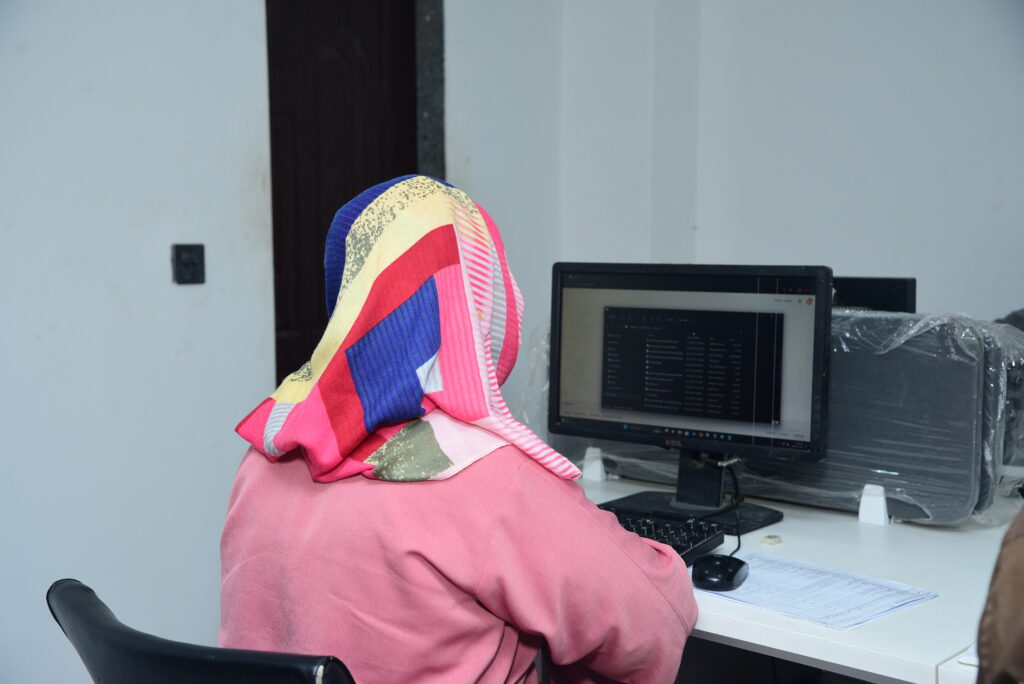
720	362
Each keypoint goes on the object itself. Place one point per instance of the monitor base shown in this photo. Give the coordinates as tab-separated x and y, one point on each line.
663	504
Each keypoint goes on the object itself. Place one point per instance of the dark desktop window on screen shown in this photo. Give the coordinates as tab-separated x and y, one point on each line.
708	364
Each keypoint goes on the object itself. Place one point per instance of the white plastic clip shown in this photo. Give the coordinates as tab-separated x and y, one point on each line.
593	466
873	508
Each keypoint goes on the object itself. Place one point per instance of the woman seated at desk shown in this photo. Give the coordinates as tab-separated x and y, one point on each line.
392	512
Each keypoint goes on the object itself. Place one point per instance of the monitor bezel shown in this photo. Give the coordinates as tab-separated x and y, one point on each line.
822	276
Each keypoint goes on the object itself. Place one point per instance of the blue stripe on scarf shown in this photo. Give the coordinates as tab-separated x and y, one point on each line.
384	361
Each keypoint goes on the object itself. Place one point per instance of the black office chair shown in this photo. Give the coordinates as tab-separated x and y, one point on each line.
117	654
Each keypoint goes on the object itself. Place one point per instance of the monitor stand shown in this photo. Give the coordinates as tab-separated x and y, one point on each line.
700	493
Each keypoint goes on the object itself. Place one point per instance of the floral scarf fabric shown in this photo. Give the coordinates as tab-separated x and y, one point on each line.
424	329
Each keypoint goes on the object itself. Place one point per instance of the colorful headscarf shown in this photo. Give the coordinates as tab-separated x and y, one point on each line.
424	328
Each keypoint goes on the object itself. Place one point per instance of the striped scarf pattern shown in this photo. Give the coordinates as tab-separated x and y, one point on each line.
425	327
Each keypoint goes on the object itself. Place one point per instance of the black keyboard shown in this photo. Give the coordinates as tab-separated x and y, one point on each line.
691	538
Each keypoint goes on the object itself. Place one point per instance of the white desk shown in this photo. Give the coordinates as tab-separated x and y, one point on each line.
917	644
954	672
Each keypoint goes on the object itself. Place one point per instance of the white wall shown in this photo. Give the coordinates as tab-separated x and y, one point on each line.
502	104
126	127
677	44
881	138
574	124
607	126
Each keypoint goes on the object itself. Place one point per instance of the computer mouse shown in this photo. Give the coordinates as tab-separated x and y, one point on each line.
717	572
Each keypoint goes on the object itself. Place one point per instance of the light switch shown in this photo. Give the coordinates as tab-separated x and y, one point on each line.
188	264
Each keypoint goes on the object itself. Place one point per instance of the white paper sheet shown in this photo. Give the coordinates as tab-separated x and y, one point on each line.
826	596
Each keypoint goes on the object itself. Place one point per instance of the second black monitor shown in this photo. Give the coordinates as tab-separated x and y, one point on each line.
876	294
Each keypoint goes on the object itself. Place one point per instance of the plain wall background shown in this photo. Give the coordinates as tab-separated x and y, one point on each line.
879	138
574	124
126	127
502	135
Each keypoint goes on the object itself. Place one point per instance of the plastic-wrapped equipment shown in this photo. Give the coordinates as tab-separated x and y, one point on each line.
930	407
927	406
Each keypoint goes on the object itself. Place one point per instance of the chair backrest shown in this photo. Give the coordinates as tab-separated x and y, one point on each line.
117	654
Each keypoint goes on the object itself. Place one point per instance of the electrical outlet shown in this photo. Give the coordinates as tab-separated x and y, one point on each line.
188	264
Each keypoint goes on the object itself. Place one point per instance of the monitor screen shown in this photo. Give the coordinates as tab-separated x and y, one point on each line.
726	359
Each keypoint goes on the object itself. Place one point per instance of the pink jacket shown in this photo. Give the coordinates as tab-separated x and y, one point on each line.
457	580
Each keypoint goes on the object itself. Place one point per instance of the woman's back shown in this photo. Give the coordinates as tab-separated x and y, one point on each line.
447	580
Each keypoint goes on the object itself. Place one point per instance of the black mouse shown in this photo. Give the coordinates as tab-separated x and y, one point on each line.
716	572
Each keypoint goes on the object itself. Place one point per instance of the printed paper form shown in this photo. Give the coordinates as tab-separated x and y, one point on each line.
826	596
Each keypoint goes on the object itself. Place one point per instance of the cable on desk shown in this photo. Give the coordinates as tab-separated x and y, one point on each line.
736	500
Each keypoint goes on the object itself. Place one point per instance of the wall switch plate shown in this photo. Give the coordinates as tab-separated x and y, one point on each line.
188	264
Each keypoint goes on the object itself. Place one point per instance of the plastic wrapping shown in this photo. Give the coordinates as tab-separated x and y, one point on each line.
931	407
927	406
